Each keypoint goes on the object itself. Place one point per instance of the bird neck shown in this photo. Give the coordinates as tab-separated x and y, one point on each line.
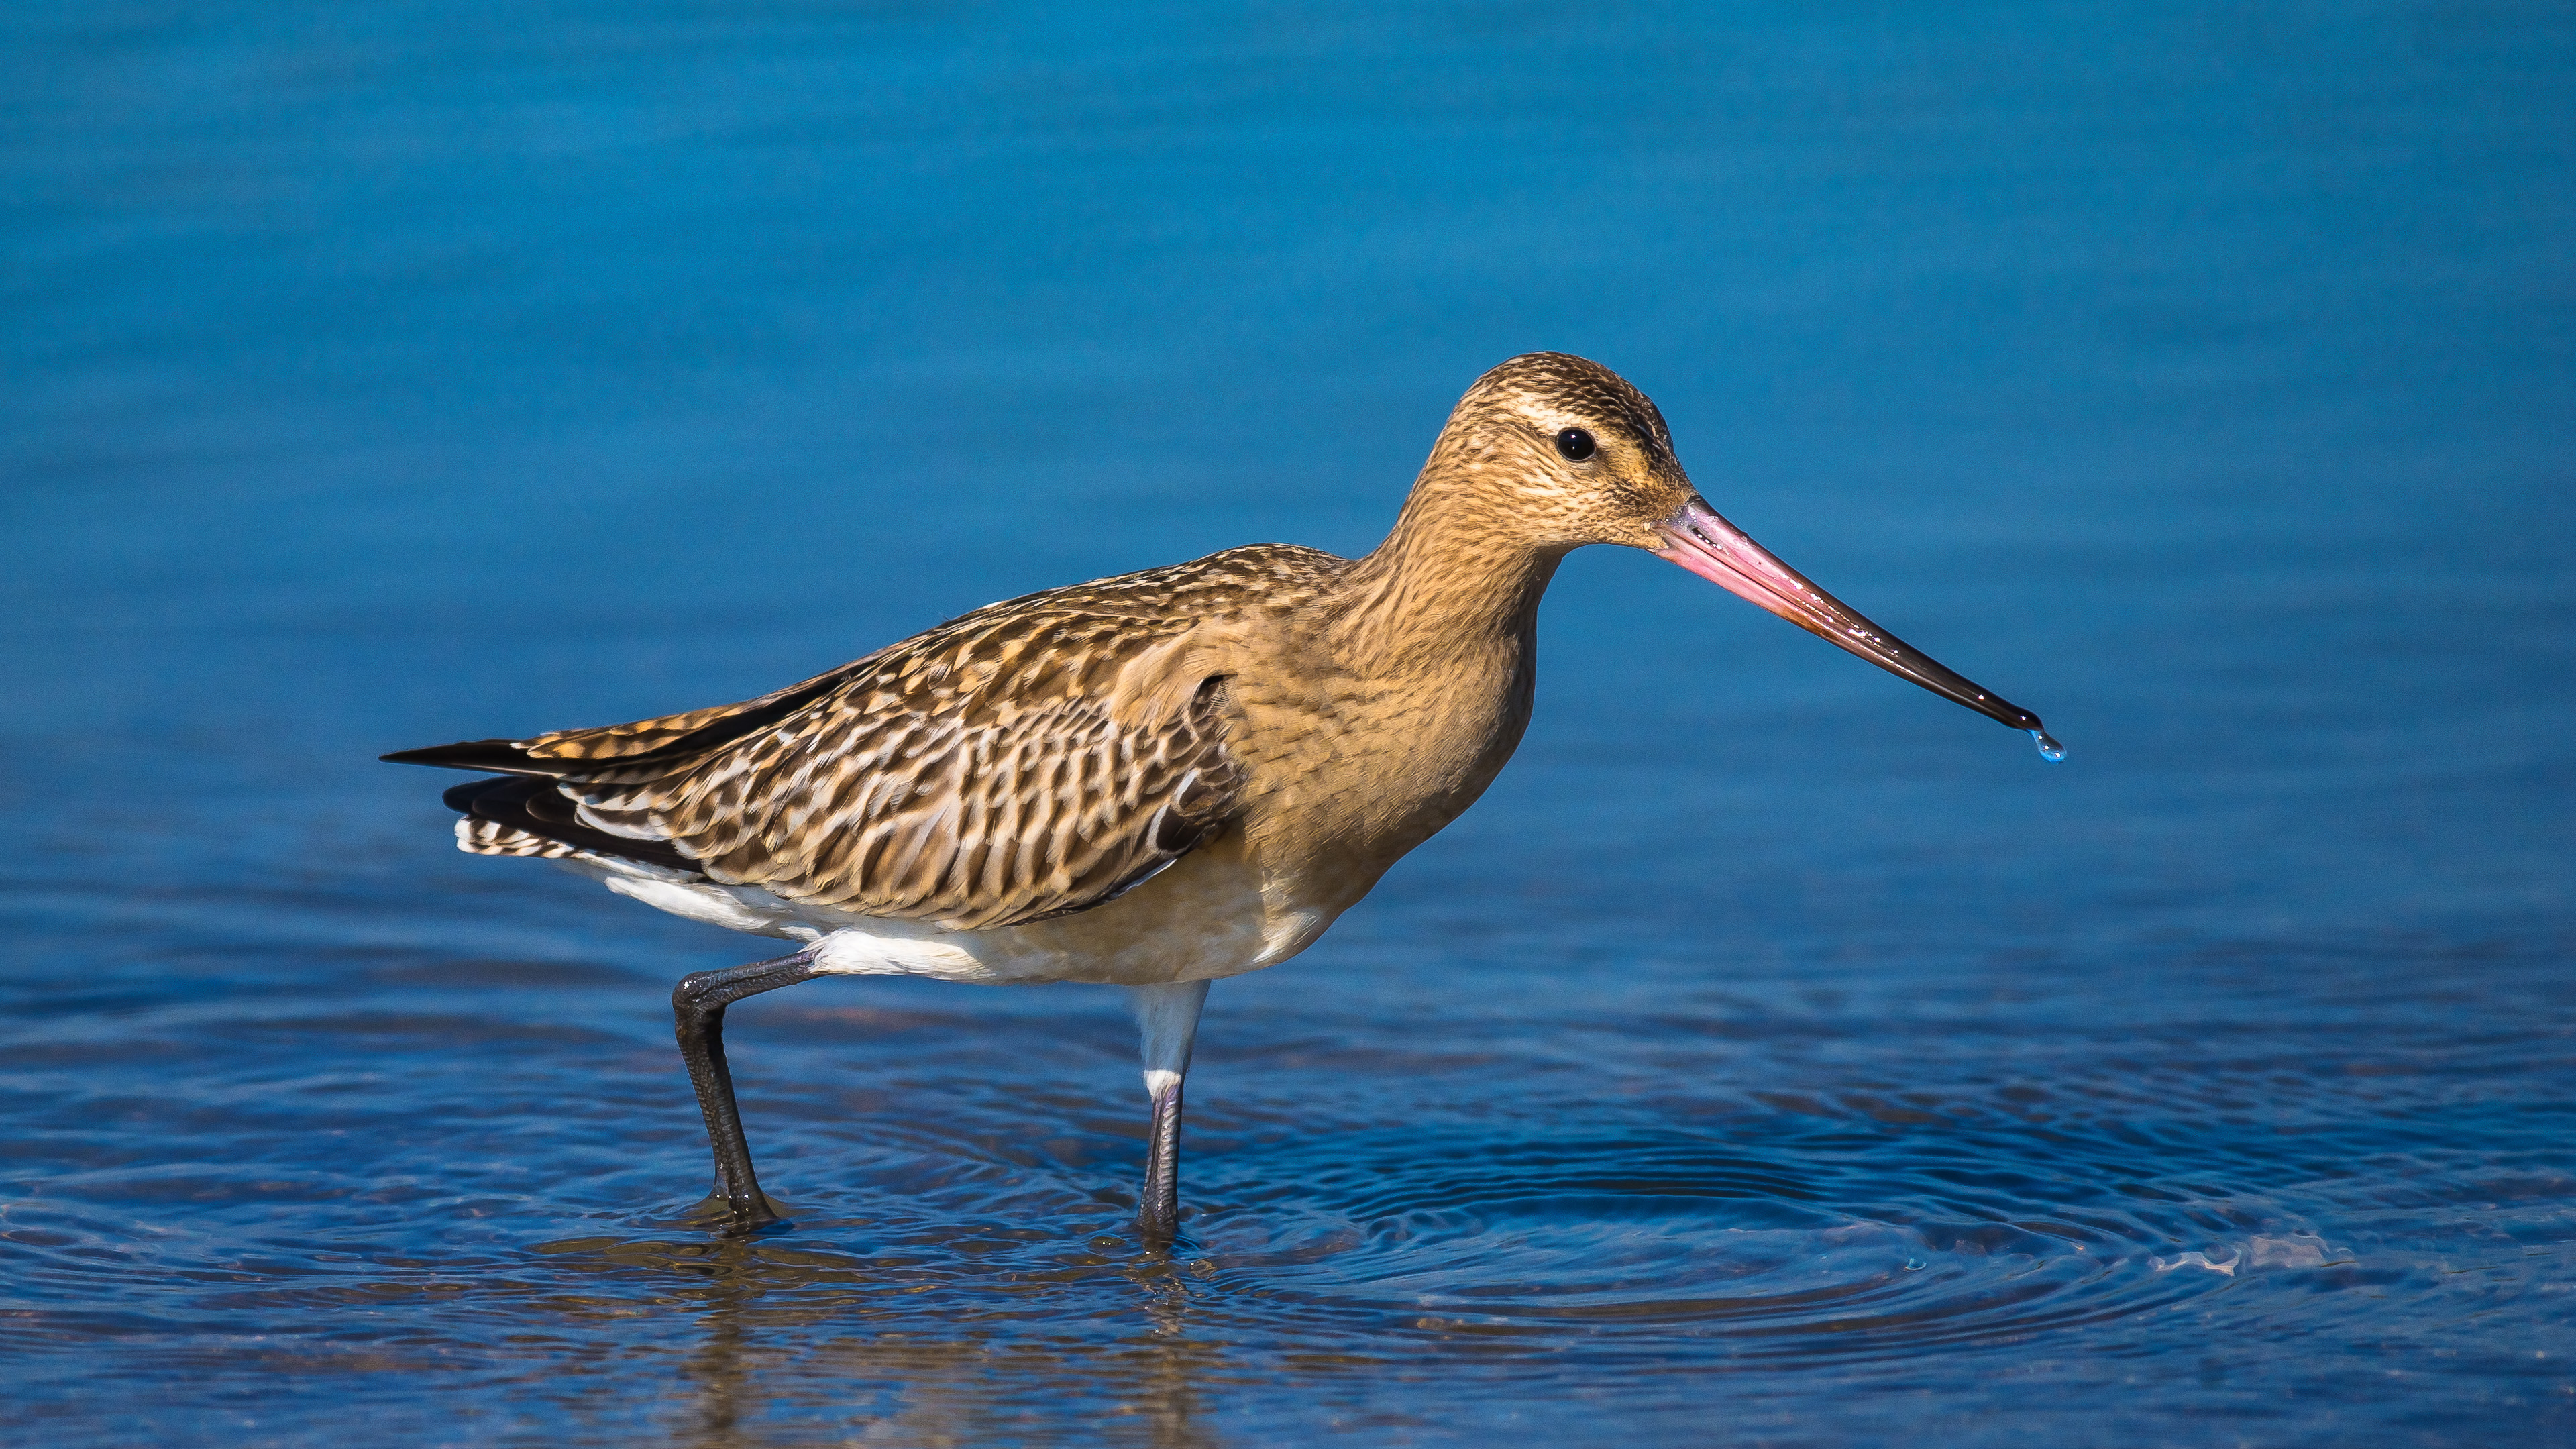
1444	588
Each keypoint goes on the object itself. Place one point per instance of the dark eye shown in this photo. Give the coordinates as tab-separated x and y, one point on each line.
1575	444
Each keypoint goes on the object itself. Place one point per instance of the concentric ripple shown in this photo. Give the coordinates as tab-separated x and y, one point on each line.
1671	1236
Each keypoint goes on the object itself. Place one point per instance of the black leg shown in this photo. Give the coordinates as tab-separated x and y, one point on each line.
1167	1018
697	1010
1159	1212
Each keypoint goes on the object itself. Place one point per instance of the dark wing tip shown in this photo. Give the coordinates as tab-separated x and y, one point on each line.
460	798
494	757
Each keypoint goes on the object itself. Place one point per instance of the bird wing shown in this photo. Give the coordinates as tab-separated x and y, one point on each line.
667	738
1031	759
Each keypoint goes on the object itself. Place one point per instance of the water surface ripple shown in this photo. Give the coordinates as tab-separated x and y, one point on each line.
482	1171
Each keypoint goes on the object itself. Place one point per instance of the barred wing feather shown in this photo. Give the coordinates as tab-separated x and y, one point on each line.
906	813
1033	758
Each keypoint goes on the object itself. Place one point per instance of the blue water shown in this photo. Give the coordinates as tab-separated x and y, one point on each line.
1779	1055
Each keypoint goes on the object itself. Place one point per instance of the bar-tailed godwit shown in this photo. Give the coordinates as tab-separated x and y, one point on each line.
1152	781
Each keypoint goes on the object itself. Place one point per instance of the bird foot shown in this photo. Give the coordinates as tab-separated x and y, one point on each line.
718	1214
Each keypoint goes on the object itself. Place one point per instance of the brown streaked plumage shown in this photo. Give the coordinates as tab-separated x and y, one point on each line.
1153	781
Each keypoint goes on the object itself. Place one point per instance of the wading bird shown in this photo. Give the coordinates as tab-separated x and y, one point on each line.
1152	781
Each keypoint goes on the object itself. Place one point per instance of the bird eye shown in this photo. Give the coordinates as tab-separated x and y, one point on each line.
1575	444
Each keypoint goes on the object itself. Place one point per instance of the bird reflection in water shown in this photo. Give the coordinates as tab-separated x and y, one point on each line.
765	1371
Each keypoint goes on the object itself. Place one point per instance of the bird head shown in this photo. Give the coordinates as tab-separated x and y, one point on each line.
1562	452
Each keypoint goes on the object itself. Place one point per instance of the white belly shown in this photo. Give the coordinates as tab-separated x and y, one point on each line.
1210	915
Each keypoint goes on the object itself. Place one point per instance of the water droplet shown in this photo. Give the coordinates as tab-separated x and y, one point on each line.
2049	749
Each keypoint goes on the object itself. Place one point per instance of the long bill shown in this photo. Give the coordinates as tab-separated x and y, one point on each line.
1716	550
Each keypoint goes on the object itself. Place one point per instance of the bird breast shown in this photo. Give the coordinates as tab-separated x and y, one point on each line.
1351	768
